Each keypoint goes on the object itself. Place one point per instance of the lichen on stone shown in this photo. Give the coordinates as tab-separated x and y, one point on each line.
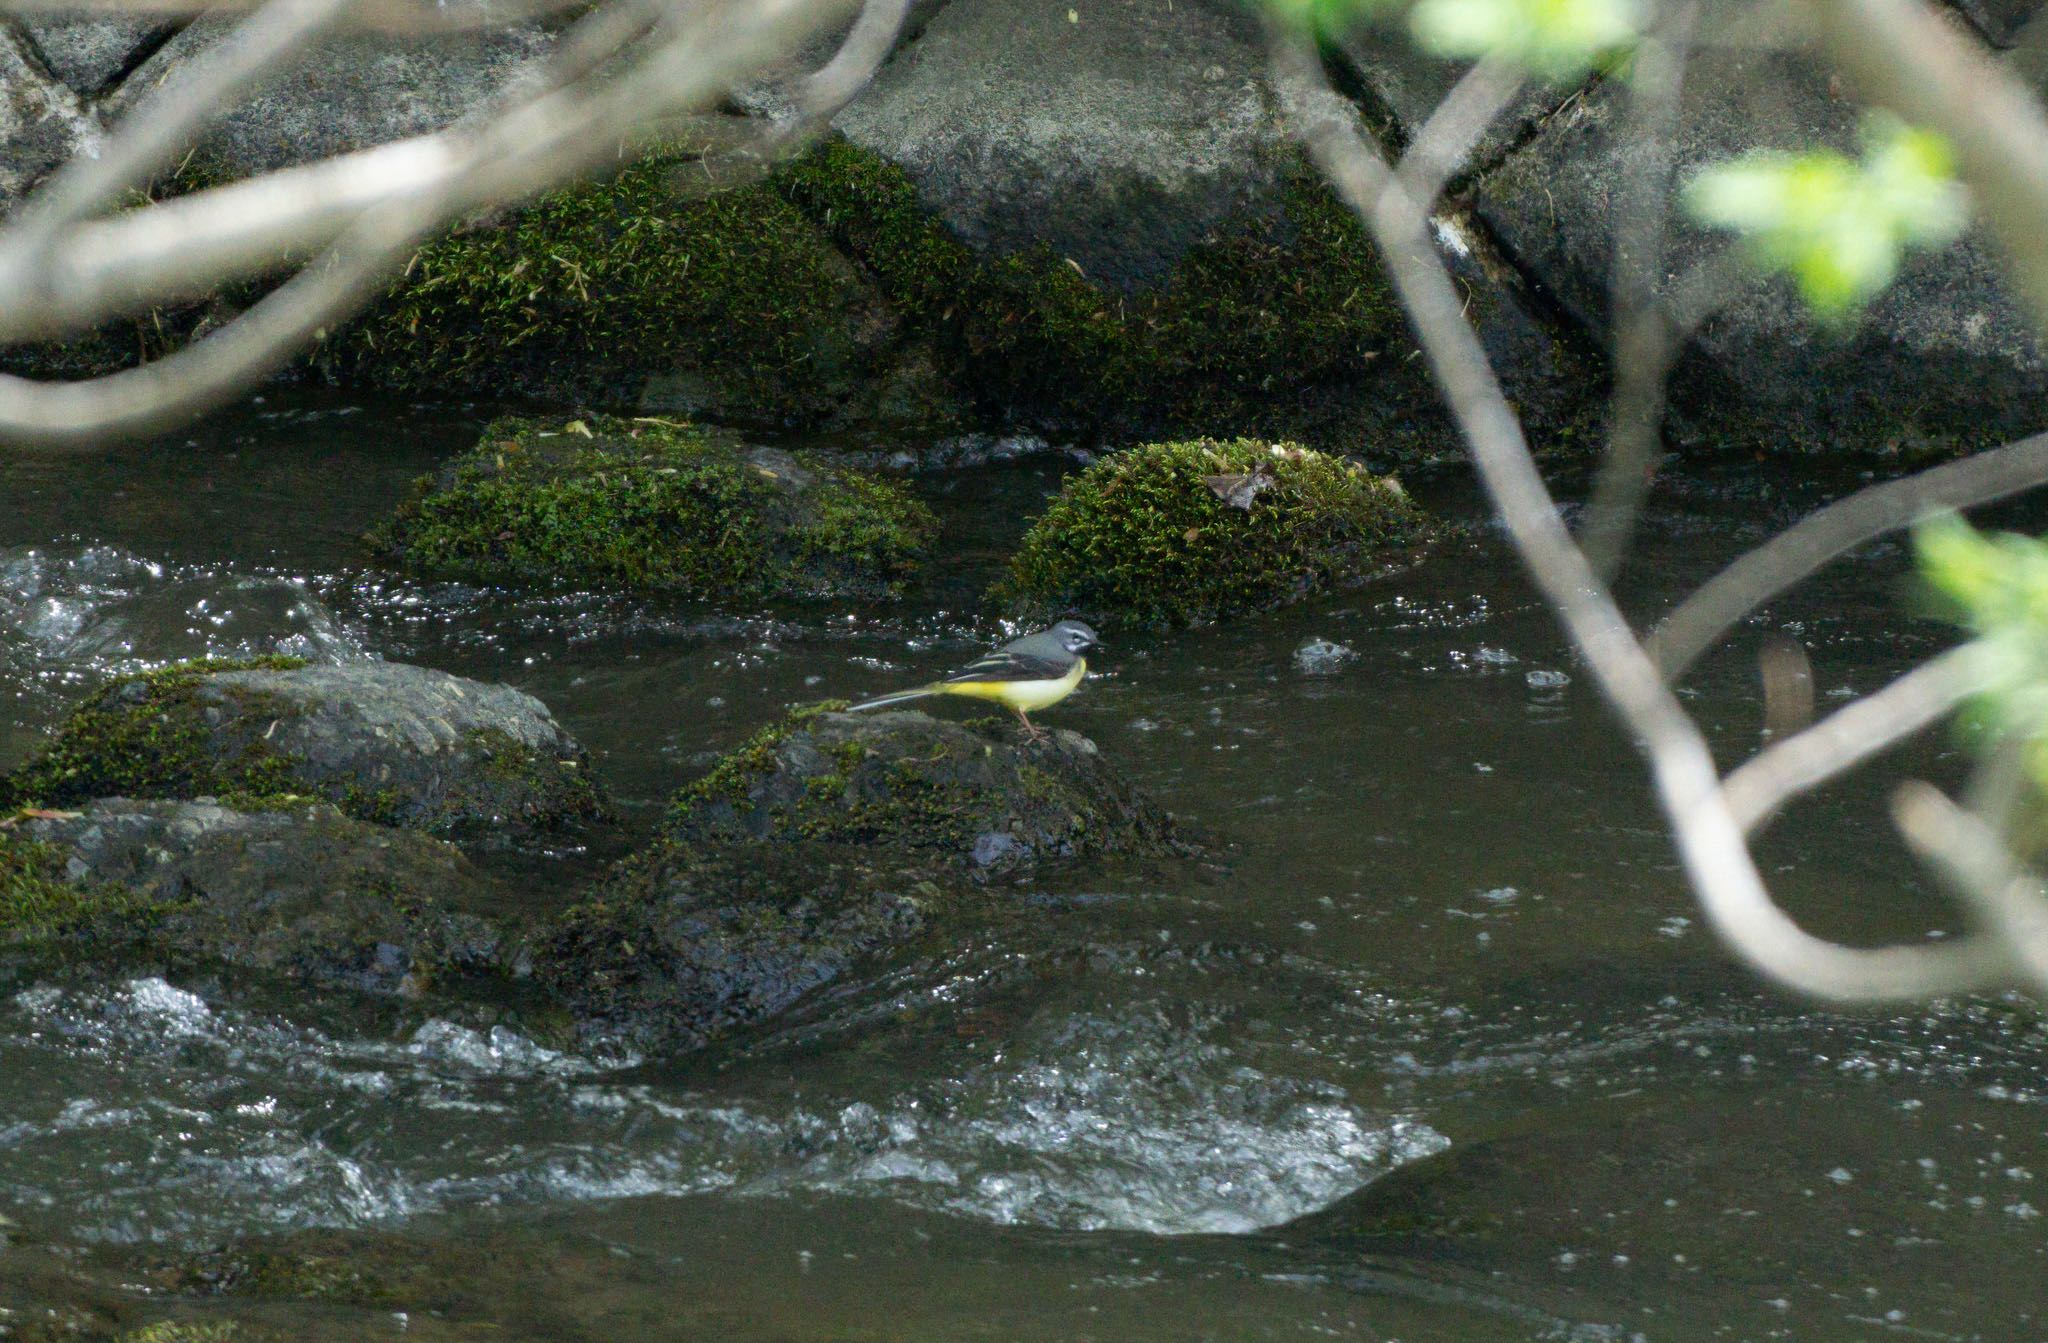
652	504
1147	536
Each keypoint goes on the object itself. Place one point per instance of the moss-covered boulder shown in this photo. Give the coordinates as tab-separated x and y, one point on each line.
658	506
386	742
814	851
971	796
1183	533
303	892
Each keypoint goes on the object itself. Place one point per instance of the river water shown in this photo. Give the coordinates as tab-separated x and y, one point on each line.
1443	1053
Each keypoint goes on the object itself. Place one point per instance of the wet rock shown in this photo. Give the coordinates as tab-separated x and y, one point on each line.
386	742
346	94
1183	533
658	506
1321	657
42	122
810	854
300	891
688	943
960	795
90	52
1946	358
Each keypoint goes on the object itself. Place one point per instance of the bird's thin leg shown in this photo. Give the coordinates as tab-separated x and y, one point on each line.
1032	732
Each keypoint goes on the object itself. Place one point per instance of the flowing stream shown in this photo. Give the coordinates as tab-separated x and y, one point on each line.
1443	1052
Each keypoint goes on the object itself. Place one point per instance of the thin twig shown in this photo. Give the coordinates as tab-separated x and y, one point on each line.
1851	735
1840	527
2003	895
1645	343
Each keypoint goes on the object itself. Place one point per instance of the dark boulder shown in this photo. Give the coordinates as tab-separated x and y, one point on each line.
386	742
966	796
303	892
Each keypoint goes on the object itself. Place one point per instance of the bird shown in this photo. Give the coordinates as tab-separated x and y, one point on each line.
1034	672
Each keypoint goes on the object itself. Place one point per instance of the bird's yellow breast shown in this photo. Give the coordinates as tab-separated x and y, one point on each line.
1024	696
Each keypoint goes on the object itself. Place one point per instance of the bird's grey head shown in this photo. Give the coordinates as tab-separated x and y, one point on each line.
1074	636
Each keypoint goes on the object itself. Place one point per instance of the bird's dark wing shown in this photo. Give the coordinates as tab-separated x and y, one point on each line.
1002	665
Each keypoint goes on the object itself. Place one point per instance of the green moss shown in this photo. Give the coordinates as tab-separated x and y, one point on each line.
737	770
147	736
1141	537
656	505
183	1331
588	290
38	906
1248	330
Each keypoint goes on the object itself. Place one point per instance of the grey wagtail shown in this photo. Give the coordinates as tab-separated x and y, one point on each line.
1034	672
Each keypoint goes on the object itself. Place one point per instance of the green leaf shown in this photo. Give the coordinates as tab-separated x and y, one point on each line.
1838	226
1997	587
1556	39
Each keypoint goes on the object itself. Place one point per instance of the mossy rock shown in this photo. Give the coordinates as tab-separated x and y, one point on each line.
305	893
652	505
971	796
1173	534
587	292
685	944
1283	326
386	742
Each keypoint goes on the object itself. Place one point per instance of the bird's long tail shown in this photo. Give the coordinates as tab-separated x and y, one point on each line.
897	698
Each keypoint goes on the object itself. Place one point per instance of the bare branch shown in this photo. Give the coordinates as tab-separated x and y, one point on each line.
2004	896
1852	734
394	17
1645	344
1447	139
1821	536
157	131
1710	844
692	60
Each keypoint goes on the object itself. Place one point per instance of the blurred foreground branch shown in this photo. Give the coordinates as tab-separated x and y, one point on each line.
616	85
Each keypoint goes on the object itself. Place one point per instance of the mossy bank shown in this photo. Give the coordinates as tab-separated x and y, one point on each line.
657	505
1172	534
826	294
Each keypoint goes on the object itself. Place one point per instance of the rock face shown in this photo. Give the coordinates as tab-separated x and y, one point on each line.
42	122
1118	141
815	850
1944	358
347	94
90	53
658	506
388	743
304	892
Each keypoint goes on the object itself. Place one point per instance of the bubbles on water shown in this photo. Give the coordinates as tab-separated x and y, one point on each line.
1321	657
78	614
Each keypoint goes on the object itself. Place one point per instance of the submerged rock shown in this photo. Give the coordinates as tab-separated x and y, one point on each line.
655	505
1183	533
386	742
811	852
300	891
968	795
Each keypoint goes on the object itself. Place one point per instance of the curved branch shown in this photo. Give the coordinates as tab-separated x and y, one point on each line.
1710	843
1840	527
1852	735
